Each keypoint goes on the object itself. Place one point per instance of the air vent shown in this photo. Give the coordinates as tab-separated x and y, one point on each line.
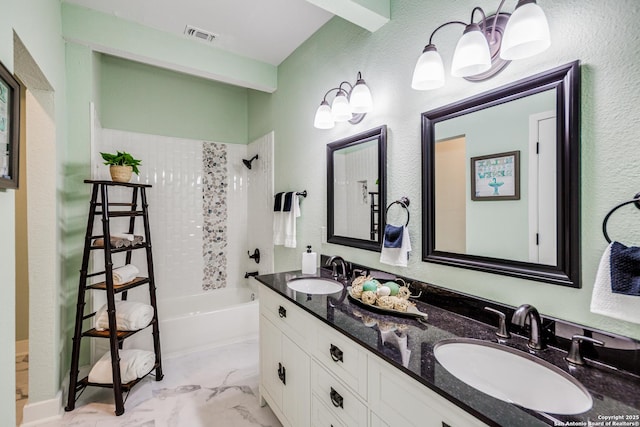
199	34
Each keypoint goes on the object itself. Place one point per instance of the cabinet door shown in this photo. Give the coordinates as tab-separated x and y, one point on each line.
296	394
398	400
377	422
270	357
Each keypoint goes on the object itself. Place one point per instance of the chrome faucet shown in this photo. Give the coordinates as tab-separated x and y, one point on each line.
520	316
335	261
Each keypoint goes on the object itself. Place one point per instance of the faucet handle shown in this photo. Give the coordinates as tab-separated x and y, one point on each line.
502	331
574	355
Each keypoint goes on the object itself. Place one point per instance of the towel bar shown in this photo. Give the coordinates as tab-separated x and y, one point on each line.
635	201
404	202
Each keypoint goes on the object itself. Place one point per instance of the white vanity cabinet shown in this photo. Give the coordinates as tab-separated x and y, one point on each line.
330	380
396	399
284	364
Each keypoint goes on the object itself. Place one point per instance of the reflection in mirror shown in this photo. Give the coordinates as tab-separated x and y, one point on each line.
482	222
356	189
501	180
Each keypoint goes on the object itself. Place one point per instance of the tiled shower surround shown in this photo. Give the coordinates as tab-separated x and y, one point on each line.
214	201
198	207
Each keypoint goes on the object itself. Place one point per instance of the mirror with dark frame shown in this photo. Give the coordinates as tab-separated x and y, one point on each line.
500	177
356	189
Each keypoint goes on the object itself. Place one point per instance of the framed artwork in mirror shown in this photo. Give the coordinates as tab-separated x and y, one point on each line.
356	189
496	176
9	129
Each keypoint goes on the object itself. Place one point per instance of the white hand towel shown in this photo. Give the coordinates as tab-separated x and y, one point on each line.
130	316
605	302
284	223
134	364
397	256
125	274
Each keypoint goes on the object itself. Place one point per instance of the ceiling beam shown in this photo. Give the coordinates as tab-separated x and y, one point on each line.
109	34
368	14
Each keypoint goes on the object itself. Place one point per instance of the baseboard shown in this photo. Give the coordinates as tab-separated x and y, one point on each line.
40	412
22	347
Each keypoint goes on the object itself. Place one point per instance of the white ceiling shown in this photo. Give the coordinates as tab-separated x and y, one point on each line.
264	30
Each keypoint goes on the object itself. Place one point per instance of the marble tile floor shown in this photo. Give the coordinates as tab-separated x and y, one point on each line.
217	387
22	384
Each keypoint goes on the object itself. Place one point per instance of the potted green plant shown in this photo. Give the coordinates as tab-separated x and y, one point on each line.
121	165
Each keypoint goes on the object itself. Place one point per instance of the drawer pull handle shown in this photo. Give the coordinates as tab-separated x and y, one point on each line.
336	399
282	312
282	374
336	354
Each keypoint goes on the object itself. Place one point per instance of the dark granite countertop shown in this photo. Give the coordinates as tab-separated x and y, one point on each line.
407	344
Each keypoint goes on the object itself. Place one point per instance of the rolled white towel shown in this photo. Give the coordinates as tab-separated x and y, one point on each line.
133	364
125	274
115	242
125	236
130	316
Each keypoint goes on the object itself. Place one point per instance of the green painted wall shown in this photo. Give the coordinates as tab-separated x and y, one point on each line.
339	50
38	24
82	69
141	98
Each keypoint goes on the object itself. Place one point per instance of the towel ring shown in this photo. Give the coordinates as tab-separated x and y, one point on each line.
635	201
404	202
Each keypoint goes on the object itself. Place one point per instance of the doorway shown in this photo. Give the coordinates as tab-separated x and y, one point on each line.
542	188
35	215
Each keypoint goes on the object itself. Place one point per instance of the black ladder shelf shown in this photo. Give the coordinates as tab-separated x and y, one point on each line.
100	206
373	221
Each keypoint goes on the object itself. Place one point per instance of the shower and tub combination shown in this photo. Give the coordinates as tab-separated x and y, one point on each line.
207	210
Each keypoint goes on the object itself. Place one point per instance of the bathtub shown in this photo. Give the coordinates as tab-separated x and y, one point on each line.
196	322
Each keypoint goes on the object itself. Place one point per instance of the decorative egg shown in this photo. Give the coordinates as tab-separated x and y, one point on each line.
384	291
368	321
370	285
393	286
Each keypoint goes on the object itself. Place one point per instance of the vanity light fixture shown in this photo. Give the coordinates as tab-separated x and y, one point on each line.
351	103
486	47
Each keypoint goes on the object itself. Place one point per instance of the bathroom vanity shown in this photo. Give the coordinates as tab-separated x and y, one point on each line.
327	361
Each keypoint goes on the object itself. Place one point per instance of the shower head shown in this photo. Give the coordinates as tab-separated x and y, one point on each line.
247	163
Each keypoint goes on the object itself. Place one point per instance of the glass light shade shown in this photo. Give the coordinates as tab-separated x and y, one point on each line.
472	54
340	108
323	119
360	98
429	71
526	33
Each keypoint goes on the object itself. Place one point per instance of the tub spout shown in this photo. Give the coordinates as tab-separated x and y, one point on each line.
251	274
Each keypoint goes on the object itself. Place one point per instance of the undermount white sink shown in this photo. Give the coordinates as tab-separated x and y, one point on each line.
513	376
315	285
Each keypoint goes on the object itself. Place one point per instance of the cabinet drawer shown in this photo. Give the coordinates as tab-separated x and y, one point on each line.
321	416
342	357
342	402
284	314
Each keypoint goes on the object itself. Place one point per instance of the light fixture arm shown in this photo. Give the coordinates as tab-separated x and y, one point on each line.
348	84
340	89
444	25
495	20
324	98
484	16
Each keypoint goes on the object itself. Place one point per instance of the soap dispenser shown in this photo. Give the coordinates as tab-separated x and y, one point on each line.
309	261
